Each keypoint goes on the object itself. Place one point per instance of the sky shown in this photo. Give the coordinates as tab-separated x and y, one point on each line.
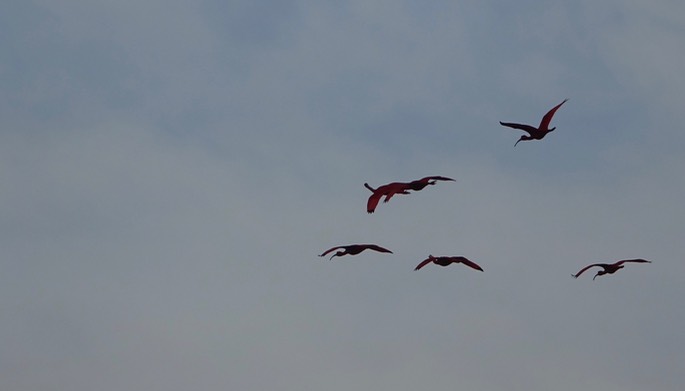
170	170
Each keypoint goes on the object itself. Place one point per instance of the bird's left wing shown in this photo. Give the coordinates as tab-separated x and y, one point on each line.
587	267
633	260
526	128
424	263
377	248
437	178
470	263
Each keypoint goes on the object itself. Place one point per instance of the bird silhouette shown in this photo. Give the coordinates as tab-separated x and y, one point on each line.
539	132
423	182
354	249
609	268
388	191
444	261
393	188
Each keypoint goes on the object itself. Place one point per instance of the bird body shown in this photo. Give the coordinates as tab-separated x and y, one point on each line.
539	132
444	261
354	249
609	268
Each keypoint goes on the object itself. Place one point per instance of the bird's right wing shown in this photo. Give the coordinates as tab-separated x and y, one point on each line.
587	267
372	203
526	128
472	264
544	124
330	249
424	263
377	248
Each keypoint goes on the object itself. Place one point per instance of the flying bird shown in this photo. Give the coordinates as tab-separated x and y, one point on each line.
444	261
423	182
354	249
609	268
393	188
539	132
388	191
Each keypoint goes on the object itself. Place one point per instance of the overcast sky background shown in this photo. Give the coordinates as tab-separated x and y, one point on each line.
169	171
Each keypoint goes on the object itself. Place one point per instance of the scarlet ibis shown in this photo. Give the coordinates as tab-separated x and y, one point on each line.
539	132
393	188
609	268
444	261
423	182
388	191
354	249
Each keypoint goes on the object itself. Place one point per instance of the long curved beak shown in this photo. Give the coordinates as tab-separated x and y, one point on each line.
332	257
517	142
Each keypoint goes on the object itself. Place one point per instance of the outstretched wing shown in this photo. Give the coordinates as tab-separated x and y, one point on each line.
526	128
377	248
424	263
372	203
436	178
470	263
544	124
587	267
330	249
633	260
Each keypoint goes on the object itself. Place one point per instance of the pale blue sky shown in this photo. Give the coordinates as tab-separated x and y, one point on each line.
169	171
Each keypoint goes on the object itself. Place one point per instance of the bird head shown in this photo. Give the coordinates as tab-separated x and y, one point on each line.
337	254
599	273
523	138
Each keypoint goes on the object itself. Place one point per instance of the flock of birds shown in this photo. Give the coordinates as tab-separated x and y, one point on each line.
390	189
